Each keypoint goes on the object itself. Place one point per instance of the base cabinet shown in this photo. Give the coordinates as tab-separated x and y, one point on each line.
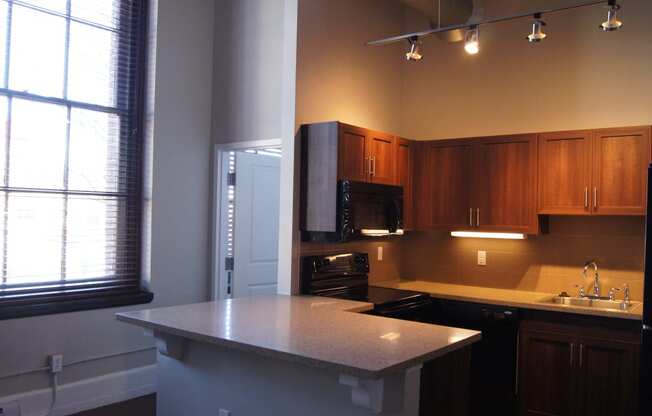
567	371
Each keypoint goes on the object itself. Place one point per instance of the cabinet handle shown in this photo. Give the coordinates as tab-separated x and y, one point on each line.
477	218
471	217
372	166
595	197
586	197
572	353
581	355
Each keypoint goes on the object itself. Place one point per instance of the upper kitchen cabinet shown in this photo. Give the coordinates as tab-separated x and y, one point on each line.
404	157
600	172
352	160
564	172
365	155
443	175
504	191
485	184
620	161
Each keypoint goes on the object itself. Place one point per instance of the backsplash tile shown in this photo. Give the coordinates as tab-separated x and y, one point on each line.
547	263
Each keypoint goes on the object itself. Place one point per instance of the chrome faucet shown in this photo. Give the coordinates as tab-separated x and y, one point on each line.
596	276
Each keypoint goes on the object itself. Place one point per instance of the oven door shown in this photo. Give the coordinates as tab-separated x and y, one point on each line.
369	210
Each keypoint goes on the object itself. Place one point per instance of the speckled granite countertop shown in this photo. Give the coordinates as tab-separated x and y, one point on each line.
316	331
514	298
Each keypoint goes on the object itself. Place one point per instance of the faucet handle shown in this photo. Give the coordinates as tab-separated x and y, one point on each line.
612	293
581	292
626	299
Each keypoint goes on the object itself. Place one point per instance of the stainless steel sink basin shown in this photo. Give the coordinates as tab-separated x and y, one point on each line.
587	302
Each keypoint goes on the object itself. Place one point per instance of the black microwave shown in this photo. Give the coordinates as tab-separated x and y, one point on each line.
364	210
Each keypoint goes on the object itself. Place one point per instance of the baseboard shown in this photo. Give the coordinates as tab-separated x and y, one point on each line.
89	393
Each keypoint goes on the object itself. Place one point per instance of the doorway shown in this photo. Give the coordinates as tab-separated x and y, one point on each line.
247	214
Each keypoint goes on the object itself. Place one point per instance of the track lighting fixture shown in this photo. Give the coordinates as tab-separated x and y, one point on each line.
612	22
472	40
537	34
414	54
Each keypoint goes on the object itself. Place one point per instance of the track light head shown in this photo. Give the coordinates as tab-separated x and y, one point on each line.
414	54
537	34
612	23
472	40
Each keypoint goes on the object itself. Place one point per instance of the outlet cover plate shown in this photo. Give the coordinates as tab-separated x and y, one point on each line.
482	258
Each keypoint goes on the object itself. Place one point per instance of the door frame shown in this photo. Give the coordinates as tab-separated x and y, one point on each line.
218	283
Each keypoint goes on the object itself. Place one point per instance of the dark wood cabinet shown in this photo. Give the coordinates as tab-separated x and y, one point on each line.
486	184
569	370
381	153
365	155
352	160
505	180
404	157
443	174
620	161
564	173
599	172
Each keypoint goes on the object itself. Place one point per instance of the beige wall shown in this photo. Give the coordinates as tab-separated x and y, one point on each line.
579	77
547	263
338	78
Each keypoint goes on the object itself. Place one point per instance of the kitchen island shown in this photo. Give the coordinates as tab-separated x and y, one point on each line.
290	355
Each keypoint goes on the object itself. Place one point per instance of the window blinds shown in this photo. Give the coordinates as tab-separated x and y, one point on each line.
70	147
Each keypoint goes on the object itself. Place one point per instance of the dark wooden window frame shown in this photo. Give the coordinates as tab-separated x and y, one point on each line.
67	296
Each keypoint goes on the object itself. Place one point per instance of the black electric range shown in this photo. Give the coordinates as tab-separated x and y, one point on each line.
345	276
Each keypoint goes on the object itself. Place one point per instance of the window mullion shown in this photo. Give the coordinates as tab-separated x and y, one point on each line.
5	214
66	51
64	227
10	10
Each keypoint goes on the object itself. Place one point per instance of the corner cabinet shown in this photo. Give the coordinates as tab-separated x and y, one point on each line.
484	184
566	370
594	172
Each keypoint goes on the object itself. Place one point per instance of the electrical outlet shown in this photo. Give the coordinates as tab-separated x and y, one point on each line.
224	412
56	363
482	258
10	409
380	253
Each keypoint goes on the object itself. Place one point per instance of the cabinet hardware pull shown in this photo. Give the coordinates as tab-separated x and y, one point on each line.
572	353
595	197
477	219
372	166
471	217
586	197
581	355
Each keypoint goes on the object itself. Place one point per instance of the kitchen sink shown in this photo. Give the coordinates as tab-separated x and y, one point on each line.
589	302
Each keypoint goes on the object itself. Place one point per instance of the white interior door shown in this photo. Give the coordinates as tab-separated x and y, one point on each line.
256	224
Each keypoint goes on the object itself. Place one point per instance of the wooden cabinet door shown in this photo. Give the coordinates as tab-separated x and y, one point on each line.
505	183
546	373
620	160
446	177
564	173
404	178
381	150
608	371
352	162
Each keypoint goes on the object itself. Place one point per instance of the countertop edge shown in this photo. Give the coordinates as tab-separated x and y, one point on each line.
302	359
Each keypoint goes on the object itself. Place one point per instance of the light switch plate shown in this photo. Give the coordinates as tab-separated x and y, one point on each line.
224	412
482	258
380	253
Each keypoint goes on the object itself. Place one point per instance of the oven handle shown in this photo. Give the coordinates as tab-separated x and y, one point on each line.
403	308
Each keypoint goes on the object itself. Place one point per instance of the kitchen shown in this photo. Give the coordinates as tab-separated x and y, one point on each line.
509	167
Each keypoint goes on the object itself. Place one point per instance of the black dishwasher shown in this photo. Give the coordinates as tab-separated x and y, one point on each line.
493	360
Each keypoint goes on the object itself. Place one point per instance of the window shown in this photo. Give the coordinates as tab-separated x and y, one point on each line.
70	154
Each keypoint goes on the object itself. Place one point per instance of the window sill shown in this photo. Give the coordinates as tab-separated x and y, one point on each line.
65	303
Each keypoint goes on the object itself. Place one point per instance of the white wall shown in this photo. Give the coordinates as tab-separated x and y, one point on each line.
180	217
338	77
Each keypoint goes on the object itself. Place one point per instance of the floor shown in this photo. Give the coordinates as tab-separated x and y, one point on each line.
141	406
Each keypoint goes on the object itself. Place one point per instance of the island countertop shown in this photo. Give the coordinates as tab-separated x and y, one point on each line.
316	331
